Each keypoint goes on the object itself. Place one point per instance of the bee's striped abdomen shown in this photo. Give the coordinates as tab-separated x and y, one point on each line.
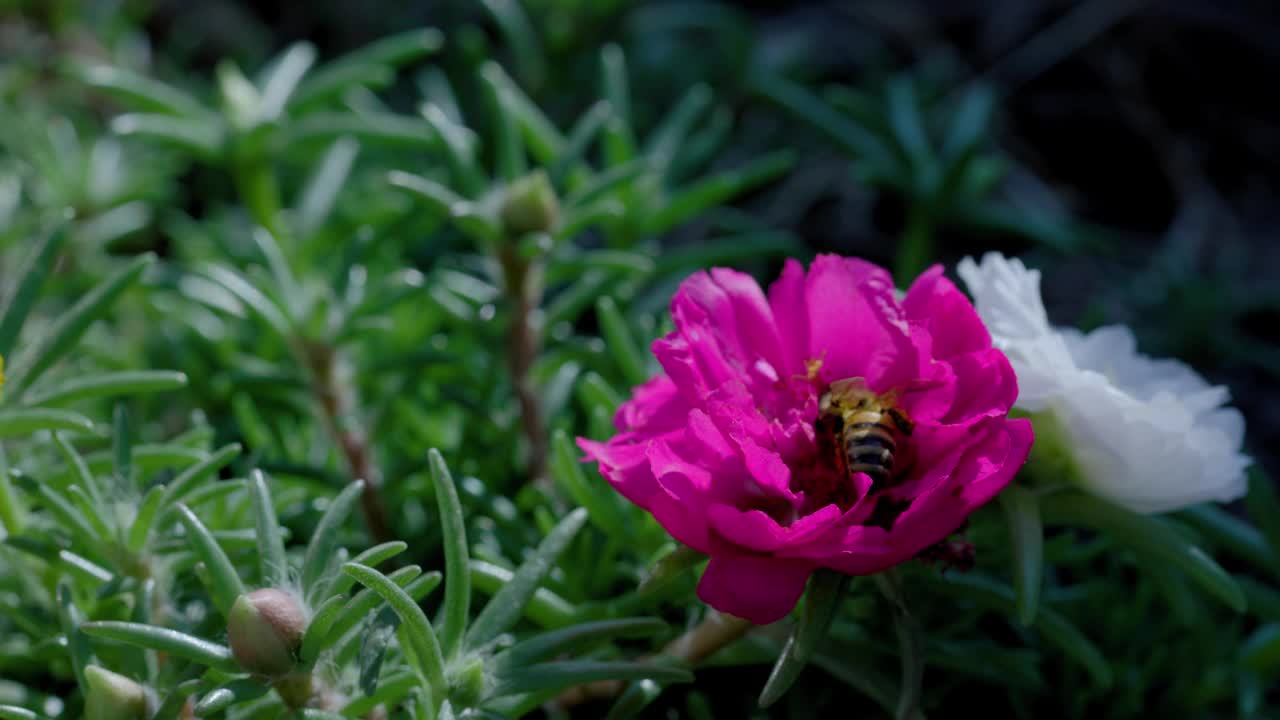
869	445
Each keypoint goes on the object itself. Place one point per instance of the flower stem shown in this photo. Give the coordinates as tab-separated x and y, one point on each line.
523	280
910	644
339	410
692	647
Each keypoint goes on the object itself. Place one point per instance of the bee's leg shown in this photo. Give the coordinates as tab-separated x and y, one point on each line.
901	421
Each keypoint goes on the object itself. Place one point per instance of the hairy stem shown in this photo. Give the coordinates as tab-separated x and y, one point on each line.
692	647
910	644
523	281
339	410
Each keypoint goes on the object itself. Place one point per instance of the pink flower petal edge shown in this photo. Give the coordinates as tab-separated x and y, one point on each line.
733	453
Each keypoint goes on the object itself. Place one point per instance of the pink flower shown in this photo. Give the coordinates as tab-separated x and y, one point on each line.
739	449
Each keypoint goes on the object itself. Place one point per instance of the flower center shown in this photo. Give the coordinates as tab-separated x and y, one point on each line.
858	431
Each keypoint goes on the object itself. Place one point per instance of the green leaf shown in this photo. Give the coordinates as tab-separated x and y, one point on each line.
286	72
1263	506
1261	651
622	344
318	628
67	515
272	562
72	324
203	652
729	251
1149	537
826	589
664	144
426	655
91	512
200	136
181	486
545	608
508	147
573	639
595	391
567	673
121	447
224	583
322	188
70	619
634	700
382	129
1234	535
544	141
372	557
256	300
431	193
505	608
453	531
854	138
111	384
236	691
11	712
325	540
17	422
410	578
599	499
460	150
715	190
379	629
145	519
583	133
1022	512
330	82
87	571
17	305
520	37
139	91
394	50
601	184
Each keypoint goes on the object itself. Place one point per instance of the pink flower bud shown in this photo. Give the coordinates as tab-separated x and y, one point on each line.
265	629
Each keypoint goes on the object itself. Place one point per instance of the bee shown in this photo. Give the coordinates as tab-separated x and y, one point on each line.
862	430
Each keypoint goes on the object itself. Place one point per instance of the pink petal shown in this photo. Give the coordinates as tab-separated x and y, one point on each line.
855	325
655	406
755	530
625	466
759	589
934	303
787	300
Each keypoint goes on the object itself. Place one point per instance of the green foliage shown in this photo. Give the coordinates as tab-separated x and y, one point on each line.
264	327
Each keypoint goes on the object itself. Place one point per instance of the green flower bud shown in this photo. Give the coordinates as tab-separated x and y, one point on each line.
295	689
112	696
265	629
467	683
530	205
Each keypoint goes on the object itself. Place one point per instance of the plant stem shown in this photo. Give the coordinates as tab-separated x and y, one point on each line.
692	647
523	280
339	411
911	647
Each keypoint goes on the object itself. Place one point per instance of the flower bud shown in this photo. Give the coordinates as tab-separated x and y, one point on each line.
530	205
265	629
112	696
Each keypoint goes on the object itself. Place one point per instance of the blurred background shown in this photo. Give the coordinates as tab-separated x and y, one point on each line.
1128	149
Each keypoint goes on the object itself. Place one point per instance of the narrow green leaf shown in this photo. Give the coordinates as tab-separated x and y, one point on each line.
717	189
217	657
415	584
907	125
67	515
453	530
225	585
328	83
178	489
395	50
71	325
200	136
597	497
17	305
634	700
272	562
529	61
325	540
318	628
286	72
89	572
601	184
618	337
505	608
70	619
794	98
422	639
1261	650
257	301
12	712
122	446
91	512
322	188
508	146
142	92
431	193
573	639
111	384
1148	536
1263	506
82	473
381	129
372	557
567	673
545	609
826	589
235	691
1022	512
148	509
17	422
391	691
595	391
1234	535
544	141
583	133
460	150
728	251
665	142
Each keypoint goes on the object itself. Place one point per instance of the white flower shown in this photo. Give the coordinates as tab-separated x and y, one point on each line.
1147	434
